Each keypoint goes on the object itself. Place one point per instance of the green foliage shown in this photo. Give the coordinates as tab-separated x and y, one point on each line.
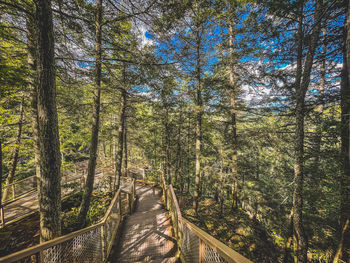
161	114
100	202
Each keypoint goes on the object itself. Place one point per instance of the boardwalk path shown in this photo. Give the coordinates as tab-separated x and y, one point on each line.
146	235
29	203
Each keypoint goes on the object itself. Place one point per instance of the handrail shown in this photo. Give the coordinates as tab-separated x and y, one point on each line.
45	245
32	188
195	245
20	194
6	203
177	207
208	248
224	251
108	212
19	181
105	235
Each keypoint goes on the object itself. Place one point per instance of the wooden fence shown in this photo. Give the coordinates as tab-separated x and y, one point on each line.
88	245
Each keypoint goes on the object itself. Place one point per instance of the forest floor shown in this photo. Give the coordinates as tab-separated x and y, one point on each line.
234	228
26	232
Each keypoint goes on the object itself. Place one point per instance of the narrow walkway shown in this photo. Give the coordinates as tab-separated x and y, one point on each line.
146	235
29	203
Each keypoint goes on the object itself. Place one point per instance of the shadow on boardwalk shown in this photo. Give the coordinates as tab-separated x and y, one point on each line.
146	234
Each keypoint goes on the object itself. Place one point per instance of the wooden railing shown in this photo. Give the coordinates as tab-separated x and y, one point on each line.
19	188
91	244
23	188
194	244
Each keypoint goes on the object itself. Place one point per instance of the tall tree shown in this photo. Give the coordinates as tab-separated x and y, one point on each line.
1	210
302	80
32	64
233	105
343	251
89	184
48	136
199	110
125	144
122	117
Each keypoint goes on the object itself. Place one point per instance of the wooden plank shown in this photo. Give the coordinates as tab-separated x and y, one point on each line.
103	241
147	234
201	251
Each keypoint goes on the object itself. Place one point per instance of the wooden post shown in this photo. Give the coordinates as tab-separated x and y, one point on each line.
2	215
110	184
82	182
13	192
103	242
120	205
201	251
129	202
168	199
134	190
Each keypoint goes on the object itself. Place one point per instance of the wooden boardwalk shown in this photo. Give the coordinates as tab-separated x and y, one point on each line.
29	204
146	234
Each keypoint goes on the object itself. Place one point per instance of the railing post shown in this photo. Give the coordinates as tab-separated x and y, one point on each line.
129	201
110	184
2	215
120	206
103	242
13	192
82	182
142	173
201	251
133	192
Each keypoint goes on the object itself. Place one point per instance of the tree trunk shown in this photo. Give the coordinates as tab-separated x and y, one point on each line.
320	106
155	163
188	159
1	215
119	157
199	114
221	194
48	136
343	251
114	142
89	184
178	168
288	243
15	153
166	166
300	241
301	86
32	63
234	195
232	95
125	145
